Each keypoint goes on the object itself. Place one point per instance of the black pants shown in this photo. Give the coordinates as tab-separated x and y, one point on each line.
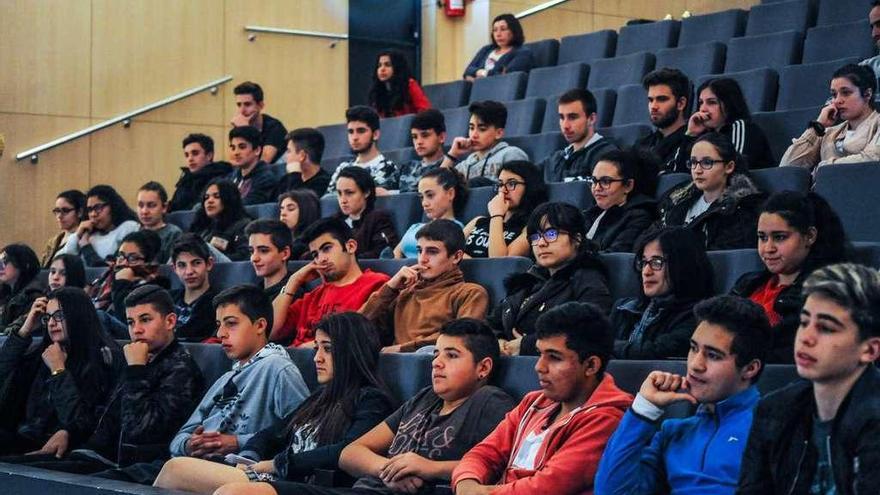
49	461
15	444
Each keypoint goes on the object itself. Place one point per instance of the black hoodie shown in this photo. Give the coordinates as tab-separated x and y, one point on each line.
189	187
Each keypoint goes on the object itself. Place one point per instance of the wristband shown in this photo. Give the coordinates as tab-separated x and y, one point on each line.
57	371
493	216
454	159
816	126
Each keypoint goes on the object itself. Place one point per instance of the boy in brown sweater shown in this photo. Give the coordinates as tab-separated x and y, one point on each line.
419	299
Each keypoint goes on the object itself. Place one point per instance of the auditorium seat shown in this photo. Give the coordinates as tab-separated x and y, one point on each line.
759	87
617	71
623	280
93	273
335	139
405	208
304	359
524	116
502	88
225	275
576	192
449	94
456	122
668	182
781	127
587	47
544	52
839	41
776	179
842	11
181	218
605	99
632	105
851	189
807	85
405	374
728	266
538	146
492	272
796	15
211	360
264	210
626	135
720	26
395	132
332	163
775	50
695	60
401	155
548	81
650	37
866	253
475	206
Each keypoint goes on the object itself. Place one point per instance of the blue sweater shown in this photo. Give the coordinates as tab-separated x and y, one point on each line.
696	455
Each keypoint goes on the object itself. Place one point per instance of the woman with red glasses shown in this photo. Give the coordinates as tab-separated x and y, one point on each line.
109	220
69	211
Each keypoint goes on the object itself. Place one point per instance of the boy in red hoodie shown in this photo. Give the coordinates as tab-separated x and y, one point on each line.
552	442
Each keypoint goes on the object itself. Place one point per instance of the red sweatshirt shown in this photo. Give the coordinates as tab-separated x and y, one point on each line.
418	101
305	312
566	461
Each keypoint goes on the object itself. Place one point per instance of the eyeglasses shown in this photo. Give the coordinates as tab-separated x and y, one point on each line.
656	263
62	211
130	257
95	208
603	182
58	316
509	186
549	235
706	163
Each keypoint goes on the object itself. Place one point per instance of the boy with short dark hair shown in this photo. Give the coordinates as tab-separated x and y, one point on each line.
249	104
198	150
152	205
419	299
269	244
252	176
552	441
305	148
669	93
363	137
428	132
192	263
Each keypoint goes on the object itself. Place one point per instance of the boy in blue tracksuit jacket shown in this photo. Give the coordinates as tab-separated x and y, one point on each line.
700	454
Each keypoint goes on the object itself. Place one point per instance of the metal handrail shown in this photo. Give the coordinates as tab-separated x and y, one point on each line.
125	118
539	8
296	32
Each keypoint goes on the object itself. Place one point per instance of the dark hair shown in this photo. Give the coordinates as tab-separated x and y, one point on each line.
638	165
74	270
156	188
233	209
336	227
429	119
677	81
862	77
327	414
89	348
478	338
588	101
392	95
309	207
448	179
202	140
490	113
515	29
192	244
746	320
119	210
854	287
148	242
23	258
536	188
724	146
151	294
250	300
687	267
77	199
730	95
249	88
275	229
364	182
249	133
309	140
562	216
365	114
585	327
445	231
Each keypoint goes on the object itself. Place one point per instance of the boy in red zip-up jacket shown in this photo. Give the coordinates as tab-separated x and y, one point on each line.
552	441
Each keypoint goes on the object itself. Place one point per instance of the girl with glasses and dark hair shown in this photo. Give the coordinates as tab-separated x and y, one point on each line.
721	202
675	275
504	54
69	211
19	285
394	91
221	220
566	269
109	220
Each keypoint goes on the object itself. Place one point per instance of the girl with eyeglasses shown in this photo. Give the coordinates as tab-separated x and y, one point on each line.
69	211
520	189
566	269
109	220
675	275
221	220
623	184
721	202
55	390
797	234
19	285
66	270
443	193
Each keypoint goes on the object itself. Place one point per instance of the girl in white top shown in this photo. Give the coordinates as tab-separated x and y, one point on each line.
109	220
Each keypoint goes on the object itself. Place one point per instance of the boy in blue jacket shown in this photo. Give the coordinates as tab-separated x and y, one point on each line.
702	453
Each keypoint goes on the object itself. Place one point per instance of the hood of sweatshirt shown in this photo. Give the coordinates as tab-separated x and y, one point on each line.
444	281
267	351
606	394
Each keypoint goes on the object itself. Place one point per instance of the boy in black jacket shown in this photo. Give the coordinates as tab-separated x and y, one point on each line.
192	262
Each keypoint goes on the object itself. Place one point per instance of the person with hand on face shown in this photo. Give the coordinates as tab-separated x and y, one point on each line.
305	148
192	262
66	270
19	283
269	244
394	91
363	136
504	53
373	229
443	193
249	104
428	133
109	220
251	175
297	210
699	454
421	298
221	220
669	98
343	285
152	205
69	211
198	150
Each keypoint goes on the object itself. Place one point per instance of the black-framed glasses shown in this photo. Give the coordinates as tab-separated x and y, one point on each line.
706	163
62	211
96	208
130	257
549	235
655	262
509	185
604	182
58	316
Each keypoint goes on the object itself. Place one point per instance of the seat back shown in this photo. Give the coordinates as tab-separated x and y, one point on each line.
618	71
405	373
538	146
225	275
626	135
544	52
491	273
264	210
456	122
838	41
504	88
587	47
775	50
806	85
667	182
335	139
524	116
576	192
211	360
648	37
841	11
781	127
759	87
476	204
866	253
401	155
776	179
395	132
695	60
849	189
623	280
305	361
449	94
728	266
791	15
631	107
181	218
556	80
720	26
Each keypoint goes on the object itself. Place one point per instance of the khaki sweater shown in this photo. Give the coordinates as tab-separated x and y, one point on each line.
812	151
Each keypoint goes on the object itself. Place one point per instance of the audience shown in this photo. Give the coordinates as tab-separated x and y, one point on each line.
504	53
819	434
577	123
192	262
419	299
152	205
566	269
553	440
725	360
198	150
394	91
363	136
675	275
373	229
343	286
305	148
20	285
221	220
269	245
721	202
109	220
669	99
249	104
847	128
69	211
519	191
298	209
255	181
428	132
797	234
443	193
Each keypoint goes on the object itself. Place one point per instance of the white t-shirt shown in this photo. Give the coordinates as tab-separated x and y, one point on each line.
699	207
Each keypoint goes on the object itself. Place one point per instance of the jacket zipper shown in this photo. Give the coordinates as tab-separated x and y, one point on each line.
830	457
797	473
706	447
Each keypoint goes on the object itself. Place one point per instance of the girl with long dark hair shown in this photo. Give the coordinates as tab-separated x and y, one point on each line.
394	91
69	211
373	229
222	218
19	286
109	220
298	209
504	53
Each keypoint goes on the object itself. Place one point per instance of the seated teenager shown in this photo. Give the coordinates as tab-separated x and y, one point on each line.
152	204
66	270
721	202
221	220
819	434
363	137
675	275
54	390
797	234
69	211
251	175
198	150
669	99
373	229
352	400
305	148
394	91
157	391
577	123
847	128
566	269
480	155
249	106
699	454
193	304
421	298
20	285
519	191
343	286
443	193
428	132
136	265
298	210
504	53
109	220
623	184
269	245
553	440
